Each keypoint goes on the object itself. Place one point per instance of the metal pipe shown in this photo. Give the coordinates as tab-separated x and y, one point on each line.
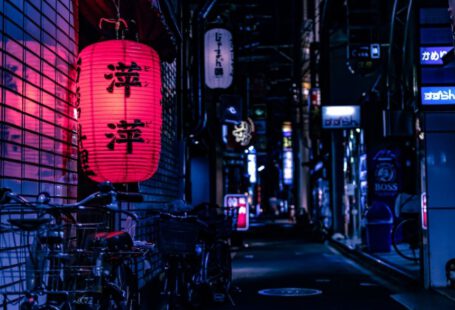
201	120
390	53
403	53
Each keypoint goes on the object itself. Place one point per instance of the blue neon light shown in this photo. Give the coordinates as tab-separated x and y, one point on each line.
433	55
288	168
438	95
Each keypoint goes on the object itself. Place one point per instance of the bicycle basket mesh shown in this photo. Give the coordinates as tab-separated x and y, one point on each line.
15	248
177	237
39	256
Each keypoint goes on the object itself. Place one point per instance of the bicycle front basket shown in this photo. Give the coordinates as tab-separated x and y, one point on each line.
177	237
18	230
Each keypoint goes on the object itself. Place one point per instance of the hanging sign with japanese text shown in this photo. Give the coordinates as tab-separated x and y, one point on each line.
219	58
118	101
340	117
438	95
433	55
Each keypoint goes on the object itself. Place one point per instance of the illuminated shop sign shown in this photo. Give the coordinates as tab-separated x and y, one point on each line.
219	58
288	168
241	203
243	132
433	55
252	167
287	136
288	165
118	102
340	117
372	51
438	95
424	212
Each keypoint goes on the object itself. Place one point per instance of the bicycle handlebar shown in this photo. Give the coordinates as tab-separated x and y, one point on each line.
183	217
7	195
106	200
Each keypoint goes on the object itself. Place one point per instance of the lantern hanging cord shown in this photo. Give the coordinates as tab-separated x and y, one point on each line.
117	7
118	21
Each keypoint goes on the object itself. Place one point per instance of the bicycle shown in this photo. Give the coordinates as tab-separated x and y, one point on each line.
71	263
216	269
406	238
180	250
406	233
197	260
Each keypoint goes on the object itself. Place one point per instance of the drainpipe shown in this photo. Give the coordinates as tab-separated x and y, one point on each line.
201	120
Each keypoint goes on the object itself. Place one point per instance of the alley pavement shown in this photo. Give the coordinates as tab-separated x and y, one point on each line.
279	258
271	264
275	257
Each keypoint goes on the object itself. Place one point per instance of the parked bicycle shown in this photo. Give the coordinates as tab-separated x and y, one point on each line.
68	256
197	257
406	233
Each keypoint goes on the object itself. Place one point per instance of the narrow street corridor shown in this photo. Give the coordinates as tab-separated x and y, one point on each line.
285	261
280	263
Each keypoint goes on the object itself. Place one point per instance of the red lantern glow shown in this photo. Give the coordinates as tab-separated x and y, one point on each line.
119	107
40	115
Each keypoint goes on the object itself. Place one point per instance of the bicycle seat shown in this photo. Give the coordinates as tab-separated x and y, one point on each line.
29	224
113	241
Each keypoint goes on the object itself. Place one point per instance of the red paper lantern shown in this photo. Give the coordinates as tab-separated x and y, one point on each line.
119	107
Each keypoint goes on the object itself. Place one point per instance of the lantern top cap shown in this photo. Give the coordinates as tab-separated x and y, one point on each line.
110	45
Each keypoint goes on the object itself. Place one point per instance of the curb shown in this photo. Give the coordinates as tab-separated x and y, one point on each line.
376	265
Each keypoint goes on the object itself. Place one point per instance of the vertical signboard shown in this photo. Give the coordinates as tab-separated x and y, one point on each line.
288	164
423	208
386	175
219	58
240	202
252	167
437	86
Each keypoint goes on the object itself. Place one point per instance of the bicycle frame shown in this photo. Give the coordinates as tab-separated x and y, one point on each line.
61	283
187	271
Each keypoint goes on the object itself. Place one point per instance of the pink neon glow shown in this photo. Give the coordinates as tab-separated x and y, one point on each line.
120	112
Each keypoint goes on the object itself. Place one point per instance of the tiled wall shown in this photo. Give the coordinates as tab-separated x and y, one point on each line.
38	46
37	129
164	186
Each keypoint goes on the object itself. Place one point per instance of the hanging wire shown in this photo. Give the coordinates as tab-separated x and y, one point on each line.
118	21
117	7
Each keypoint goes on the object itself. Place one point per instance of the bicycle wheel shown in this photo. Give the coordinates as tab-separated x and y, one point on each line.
406	239
176	290
218	268
118	289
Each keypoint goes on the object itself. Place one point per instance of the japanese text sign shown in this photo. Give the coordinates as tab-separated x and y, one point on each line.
118	99
219	58
437	95
433	55
340	117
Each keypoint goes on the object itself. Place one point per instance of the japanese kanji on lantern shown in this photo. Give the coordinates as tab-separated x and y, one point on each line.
219	58
118	101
